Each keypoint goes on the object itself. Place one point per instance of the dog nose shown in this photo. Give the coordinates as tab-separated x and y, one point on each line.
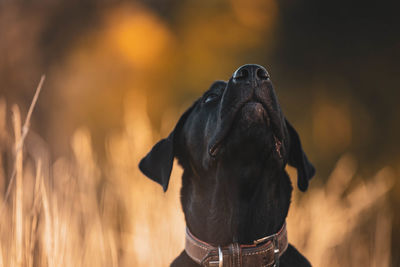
250	72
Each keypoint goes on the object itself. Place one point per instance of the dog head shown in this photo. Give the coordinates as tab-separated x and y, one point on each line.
237	122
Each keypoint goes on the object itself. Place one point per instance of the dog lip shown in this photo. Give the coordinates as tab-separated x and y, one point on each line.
213	151
215	146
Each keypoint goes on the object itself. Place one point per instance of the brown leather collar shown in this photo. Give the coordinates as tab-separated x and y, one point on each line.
263	252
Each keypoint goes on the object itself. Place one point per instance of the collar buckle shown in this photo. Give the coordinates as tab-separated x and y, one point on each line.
220	262
276	251
275	243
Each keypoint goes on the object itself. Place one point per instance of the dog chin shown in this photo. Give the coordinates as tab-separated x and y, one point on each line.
253	113
251	138
252	120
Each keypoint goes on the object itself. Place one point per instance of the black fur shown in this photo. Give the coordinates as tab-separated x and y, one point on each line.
233	145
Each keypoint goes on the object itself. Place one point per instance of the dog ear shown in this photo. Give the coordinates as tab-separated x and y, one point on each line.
298	159
157	164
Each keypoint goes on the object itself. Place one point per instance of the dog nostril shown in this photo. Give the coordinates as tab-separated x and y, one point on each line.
262	74
241	74
250	72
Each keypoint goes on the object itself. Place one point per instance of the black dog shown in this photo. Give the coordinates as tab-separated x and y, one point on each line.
233	145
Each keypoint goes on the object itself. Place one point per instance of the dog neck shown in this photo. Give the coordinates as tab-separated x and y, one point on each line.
235	206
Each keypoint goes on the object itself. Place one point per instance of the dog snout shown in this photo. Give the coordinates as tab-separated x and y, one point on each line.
250	72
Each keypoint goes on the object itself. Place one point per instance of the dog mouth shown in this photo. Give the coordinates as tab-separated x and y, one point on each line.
252	112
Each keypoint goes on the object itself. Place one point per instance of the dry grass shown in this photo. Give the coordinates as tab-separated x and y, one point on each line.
71	212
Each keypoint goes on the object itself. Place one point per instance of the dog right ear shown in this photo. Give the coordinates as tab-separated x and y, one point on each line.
298	159
157	164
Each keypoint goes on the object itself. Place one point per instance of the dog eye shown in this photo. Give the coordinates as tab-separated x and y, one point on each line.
210	98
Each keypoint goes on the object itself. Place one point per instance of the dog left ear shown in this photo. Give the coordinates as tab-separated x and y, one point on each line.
157	164
298	159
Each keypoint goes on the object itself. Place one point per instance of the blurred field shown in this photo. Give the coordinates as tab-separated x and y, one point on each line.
119	74
71	212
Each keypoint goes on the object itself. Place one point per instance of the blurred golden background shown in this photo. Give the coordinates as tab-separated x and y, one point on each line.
119	74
